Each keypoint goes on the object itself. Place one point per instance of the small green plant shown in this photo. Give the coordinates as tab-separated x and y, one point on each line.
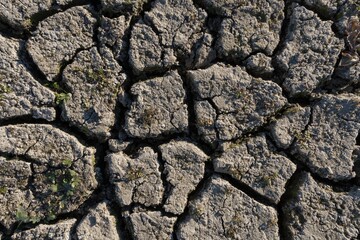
302	137
64	182
61	97
54	86
134	173
67	162
28	23
98	77
205	122
3	190
4	88
23	216
351	55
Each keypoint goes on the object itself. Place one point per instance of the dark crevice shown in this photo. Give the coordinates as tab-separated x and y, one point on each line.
8	31
122	227
192	126
246	189
209	170
278	72
127	11
166	185
42	15
291	187
342	185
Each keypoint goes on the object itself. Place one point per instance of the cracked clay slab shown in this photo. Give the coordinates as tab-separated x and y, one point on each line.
229	102
94	80
158	107
99	223
57	231
253	163
136	179
248	27
184	168
221	211
316	211
328	143
48	168
59	37
20	94
316	51
151	225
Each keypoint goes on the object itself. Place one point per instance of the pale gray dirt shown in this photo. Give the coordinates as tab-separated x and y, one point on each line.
179	119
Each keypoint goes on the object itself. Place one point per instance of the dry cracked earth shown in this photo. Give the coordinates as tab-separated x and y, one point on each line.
179	119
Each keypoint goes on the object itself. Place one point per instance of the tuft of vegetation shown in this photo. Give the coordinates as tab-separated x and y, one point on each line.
64	182
4	88
134	173
67	162
3	190
23	216
54	86
351	55
61	97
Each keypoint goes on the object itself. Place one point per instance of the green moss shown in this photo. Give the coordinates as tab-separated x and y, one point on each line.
54	86
61	97
67	162
4	88
3	190
23	216
63	182
134	173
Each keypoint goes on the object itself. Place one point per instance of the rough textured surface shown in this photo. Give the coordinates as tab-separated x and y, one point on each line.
324	8
172	32
327	152
145	50
58	231
112	33
94	80
20	94
54	172
122	6
158	107
316	48
291	124
98	224
184	168
150	225
259	65
179	119
253	163
19	13
136	180
222	212
317	211
248	27
59	37
230	102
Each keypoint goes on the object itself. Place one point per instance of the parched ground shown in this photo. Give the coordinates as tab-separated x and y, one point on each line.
179	119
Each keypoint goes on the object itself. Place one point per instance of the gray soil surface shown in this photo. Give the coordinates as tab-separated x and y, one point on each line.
179	119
